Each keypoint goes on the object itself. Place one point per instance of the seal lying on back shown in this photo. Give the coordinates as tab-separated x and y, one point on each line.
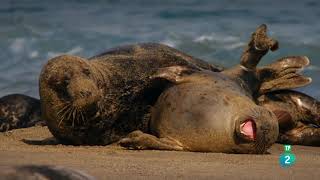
207	112
19	111
204	100
102	100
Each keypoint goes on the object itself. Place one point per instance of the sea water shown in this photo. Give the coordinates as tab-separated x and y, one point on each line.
33	31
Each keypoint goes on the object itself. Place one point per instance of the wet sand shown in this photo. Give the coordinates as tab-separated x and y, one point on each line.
27	146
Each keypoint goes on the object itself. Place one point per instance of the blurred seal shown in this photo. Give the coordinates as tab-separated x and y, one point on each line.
42	172
19	111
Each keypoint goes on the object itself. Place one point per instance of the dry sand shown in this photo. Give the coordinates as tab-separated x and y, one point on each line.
26	146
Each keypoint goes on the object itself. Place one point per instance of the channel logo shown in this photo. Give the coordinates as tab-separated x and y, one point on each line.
287	159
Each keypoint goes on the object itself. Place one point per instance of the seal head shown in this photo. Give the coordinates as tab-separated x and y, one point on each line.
69	88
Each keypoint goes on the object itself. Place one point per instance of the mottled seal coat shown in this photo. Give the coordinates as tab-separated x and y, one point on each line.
19	111
212	112
100	100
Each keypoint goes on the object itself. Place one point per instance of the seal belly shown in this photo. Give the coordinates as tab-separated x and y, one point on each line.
205	113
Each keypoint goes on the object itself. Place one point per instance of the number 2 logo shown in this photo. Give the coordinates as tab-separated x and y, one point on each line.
287	161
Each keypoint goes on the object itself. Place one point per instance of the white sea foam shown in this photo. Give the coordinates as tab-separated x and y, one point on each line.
72	51
216	37
169	42
53	54
203	38
34	54
220	41
75	50
235	45
18	45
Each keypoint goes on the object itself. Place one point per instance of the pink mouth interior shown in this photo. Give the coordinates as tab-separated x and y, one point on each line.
248	128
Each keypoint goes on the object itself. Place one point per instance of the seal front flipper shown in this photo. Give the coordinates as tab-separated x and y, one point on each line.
283	74
141	141
173	74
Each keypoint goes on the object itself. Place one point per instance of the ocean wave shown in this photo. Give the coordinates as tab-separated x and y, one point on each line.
169	42
217	38
34	54
74	51
312	68
18	45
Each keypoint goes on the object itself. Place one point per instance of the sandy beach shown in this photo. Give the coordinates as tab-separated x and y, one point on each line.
27	146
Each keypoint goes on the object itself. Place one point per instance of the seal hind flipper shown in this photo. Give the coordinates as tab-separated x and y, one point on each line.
301	135
141	141
298	116
283	74
301	107
246	73
257	47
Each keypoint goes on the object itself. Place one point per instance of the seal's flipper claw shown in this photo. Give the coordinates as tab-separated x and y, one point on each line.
262	42
140	141
258	46
284	74
302	135
173	74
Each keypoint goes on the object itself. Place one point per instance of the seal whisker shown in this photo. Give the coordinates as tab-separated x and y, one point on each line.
70	113
82	117
62	116
63	108
74	114
79	116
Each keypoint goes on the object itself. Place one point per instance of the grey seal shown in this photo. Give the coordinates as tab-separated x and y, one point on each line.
19	111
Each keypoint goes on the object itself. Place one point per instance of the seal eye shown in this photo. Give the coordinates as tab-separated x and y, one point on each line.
67	77
86	71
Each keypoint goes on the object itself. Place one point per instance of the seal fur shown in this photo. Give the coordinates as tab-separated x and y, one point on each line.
100	100
19	111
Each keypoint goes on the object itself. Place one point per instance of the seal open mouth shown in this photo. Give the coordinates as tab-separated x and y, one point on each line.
248	128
